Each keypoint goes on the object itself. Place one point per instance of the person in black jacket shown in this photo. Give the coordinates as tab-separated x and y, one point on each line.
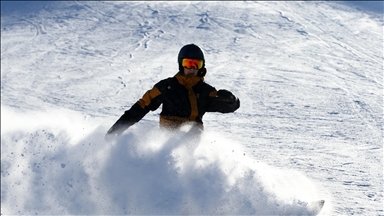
185	96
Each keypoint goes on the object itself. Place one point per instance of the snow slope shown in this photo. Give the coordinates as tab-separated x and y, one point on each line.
309	76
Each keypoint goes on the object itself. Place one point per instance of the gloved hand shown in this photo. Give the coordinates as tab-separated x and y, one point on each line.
225	95
112	134
109	137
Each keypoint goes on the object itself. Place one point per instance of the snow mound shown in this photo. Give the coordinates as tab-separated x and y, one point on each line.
62	165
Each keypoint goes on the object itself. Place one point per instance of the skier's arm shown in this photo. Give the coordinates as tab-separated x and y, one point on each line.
223	101
150	101
130	117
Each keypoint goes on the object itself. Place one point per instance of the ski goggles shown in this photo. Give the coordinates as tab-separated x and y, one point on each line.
192	63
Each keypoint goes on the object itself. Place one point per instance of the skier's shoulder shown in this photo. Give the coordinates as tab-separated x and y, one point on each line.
207	86
164	83
166	80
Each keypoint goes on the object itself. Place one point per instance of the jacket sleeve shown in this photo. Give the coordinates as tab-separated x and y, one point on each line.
150	101
218	105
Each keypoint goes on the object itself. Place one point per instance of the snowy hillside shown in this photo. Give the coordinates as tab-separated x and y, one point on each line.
309	76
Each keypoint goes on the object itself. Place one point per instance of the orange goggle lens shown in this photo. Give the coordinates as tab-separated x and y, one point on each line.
192	63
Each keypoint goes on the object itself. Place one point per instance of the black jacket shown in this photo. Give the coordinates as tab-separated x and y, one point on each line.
184	98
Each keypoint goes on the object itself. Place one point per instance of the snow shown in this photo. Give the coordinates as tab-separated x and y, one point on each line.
309	76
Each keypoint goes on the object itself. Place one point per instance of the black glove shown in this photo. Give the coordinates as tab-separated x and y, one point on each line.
109	137
226	96
112	134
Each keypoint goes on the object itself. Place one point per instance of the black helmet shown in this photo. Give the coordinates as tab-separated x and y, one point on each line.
192	51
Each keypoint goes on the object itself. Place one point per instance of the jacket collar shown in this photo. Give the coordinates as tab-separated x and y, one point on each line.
187	80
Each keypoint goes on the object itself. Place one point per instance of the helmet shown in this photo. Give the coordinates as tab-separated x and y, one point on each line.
192	51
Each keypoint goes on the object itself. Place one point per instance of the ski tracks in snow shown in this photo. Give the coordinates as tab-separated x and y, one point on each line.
310	85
